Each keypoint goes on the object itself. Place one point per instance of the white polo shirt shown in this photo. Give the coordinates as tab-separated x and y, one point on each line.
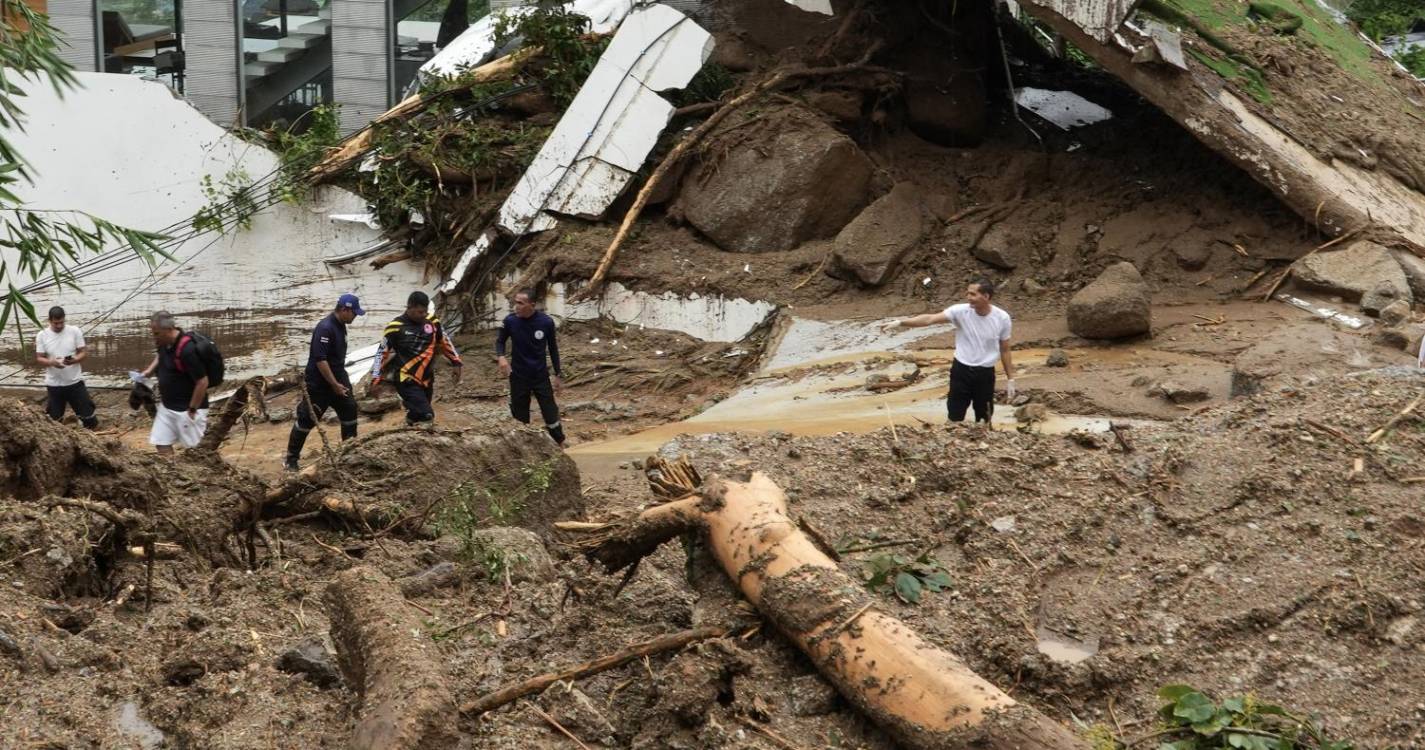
58	346
977	337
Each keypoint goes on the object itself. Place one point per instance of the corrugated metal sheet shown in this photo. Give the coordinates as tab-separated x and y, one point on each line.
1099	18
360	66
75	20
210	42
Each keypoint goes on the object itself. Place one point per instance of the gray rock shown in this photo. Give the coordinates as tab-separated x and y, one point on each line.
1413	266
1392	338
1180	394
437	576
1381	296
311	658
869	250
1032	287
1115	305
810	695
1352	272
802	180
521	550
1056	358
1005	246
1192	256
279	415
1395	313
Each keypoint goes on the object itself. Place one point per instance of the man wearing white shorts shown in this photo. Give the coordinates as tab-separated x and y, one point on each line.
982	332
182	414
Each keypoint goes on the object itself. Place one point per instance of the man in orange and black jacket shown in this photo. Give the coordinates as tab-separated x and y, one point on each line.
407	357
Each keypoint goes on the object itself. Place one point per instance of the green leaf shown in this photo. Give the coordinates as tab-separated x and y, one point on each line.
1235	705
937	581
908	588
1194	708
1171	693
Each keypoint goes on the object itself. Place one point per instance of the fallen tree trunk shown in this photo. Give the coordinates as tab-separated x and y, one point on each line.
391	664
924	696
247	398
354	147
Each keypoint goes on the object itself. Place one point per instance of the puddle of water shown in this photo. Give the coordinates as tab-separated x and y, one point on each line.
136	727
1065	649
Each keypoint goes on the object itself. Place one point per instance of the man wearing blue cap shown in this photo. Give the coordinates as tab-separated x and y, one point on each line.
326	379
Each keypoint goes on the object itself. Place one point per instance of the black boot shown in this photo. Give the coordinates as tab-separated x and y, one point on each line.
295	441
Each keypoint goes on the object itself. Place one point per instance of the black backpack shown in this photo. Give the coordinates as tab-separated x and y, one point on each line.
208	354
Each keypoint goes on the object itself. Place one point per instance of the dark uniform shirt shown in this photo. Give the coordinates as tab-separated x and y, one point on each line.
408	351
328	345
175	385
530	337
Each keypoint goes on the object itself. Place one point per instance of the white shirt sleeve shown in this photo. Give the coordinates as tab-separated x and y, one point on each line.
78	340
1007	328
40	344
1421	361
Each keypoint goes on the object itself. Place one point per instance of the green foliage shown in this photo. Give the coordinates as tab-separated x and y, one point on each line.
708	85
1194	721
568	53
300	151
1278	18
1414	60
907	577
473	505
1236	70
231	202
43	244
1382	18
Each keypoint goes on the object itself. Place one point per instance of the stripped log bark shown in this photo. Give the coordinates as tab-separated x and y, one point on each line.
394	668
244	401
924	696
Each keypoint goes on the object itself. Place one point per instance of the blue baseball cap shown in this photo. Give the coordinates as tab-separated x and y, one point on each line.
350	301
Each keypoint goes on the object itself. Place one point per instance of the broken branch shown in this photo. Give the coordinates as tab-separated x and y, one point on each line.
538	684
1388	426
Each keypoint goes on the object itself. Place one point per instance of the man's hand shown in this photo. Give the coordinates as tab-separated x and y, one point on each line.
504	366
1009	390
558	384
891	327
455	374
340	390
373	390
192	413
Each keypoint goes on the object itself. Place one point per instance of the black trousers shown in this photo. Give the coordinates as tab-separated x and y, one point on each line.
522	387
416	398
323	397
74	396
971	385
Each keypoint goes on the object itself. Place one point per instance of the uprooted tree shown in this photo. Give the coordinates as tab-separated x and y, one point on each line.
924	696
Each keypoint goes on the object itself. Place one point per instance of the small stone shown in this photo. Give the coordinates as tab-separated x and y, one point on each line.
1180	394
1381	296
279	415
1056	358
1003	524
1032	287
1395	313
520	550
310	658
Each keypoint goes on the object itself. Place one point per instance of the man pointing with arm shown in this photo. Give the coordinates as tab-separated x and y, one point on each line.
981	340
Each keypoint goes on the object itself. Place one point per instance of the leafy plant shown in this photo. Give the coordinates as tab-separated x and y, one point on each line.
45	243
907	577
1195	721
231	201
568	53
1383	18
300	150
474	505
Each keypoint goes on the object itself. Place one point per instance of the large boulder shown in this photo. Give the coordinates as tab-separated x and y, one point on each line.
1352	272
1114	306
774	186
1006	246
870	249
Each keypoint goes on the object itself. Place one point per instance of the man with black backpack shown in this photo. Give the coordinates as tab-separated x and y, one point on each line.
187	365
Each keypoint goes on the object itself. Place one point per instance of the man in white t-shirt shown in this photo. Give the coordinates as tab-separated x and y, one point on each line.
59	348
982	333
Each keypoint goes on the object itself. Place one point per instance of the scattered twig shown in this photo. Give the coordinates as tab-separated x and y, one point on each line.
877	545
324	545
537	684
1388	426
556	725
771	736
421	608
1329	430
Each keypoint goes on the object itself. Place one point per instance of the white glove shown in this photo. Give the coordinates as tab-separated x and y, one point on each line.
1009	390
891	327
